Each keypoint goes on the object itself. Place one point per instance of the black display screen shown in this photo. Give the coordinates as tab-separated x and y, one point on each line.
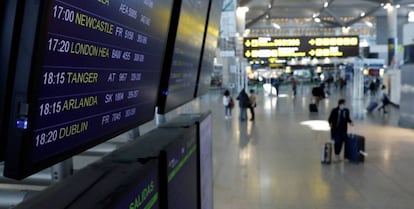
182	173
210	47
206	163
186	54
97	74
7	14
127	185
143	193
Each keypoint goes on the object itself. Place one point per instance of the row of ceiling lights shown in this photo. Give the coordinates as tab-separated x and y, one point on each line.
316	18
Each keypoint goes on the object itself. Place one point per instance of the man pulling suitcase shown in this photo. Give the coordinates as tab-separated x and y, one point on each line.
338	121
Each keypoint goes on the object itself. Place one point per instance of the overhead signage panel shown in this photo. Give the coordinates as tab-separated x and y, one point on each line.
303	46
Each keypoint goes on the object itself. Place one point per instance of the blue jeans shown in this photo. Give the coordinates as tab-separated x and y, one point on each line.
227	110
243	113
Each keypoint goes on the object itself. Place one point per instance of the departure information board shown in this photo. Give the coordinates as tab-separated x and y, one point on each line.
301	46
210	47
98	74
186	55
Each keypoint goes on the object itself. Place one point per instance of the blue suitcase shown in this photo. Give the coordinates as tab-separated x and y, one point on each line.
355	148
371	107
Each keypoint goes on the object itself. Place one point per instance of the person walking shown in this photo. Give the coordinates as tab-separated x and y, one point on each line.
244	103
384	99
338	121
294	86
252	99
228	104
318	94
276	84
372	88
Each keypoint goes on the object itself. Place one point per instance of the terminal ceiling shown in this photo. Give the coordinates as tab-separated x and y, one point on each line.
331	16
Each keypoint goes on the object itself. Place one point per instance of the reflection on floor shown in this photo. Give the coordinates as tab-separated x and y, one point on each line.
274	162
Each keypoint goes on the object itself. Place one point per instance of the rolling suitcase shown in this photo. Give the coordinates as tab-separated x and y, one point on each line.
313	108
326	157
355	148
371	107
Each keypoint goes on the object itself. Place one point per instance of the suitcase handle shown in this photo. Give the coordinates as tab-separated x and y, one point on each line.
363	153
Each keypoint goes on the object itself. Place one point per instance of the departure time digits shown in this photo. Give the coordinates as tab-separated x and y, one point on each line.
64	14
57	78
50	108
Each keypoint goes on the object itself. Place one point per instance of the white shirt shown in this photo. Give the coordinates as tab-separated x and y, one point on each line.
226	100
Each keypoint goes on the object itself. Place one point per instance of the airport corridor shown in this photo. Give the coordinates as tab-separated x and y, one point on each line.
274	161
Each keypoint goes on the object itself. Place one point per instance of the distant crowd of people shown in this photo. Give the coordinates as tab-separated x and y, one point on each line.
245	102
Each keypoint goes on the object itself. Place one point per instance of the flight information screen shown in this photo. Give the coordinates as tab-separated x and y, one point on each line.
98	72
187	51
210	47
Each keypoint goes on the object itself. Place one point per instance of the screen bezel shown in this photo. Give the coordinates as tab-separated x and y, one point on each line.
8	56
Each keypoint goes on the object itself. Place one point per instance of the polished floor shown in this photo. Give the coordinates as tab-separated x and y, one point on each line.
274	161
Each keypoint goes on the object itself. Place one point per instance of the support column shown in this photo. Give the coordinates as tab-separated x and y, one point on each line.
392	36
62	170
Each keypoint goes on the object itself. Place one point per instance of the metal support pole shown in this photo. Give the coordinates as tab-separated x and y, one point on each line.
392	20
159	118
62	170
134	133
358	90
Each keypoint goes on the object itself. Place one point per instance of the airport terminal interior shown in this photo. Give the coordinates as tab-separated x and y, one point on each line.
102	106
274	161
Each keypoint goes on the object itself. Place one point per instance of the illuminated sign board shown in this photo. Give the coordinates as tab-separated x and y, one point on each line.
95	74
304	46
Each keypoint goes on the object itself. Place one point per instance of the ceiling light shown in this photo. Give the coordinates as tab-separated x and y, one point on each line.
369	24
386	6
363	43
317	19
362	14
326	4
411	16
382	4
246	33
276	25
345	30
269	6
397	6
315	15
243	9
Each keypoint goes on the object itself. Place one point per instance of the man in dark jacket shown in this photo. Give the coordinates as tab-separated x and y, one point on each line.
244	103
338	121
